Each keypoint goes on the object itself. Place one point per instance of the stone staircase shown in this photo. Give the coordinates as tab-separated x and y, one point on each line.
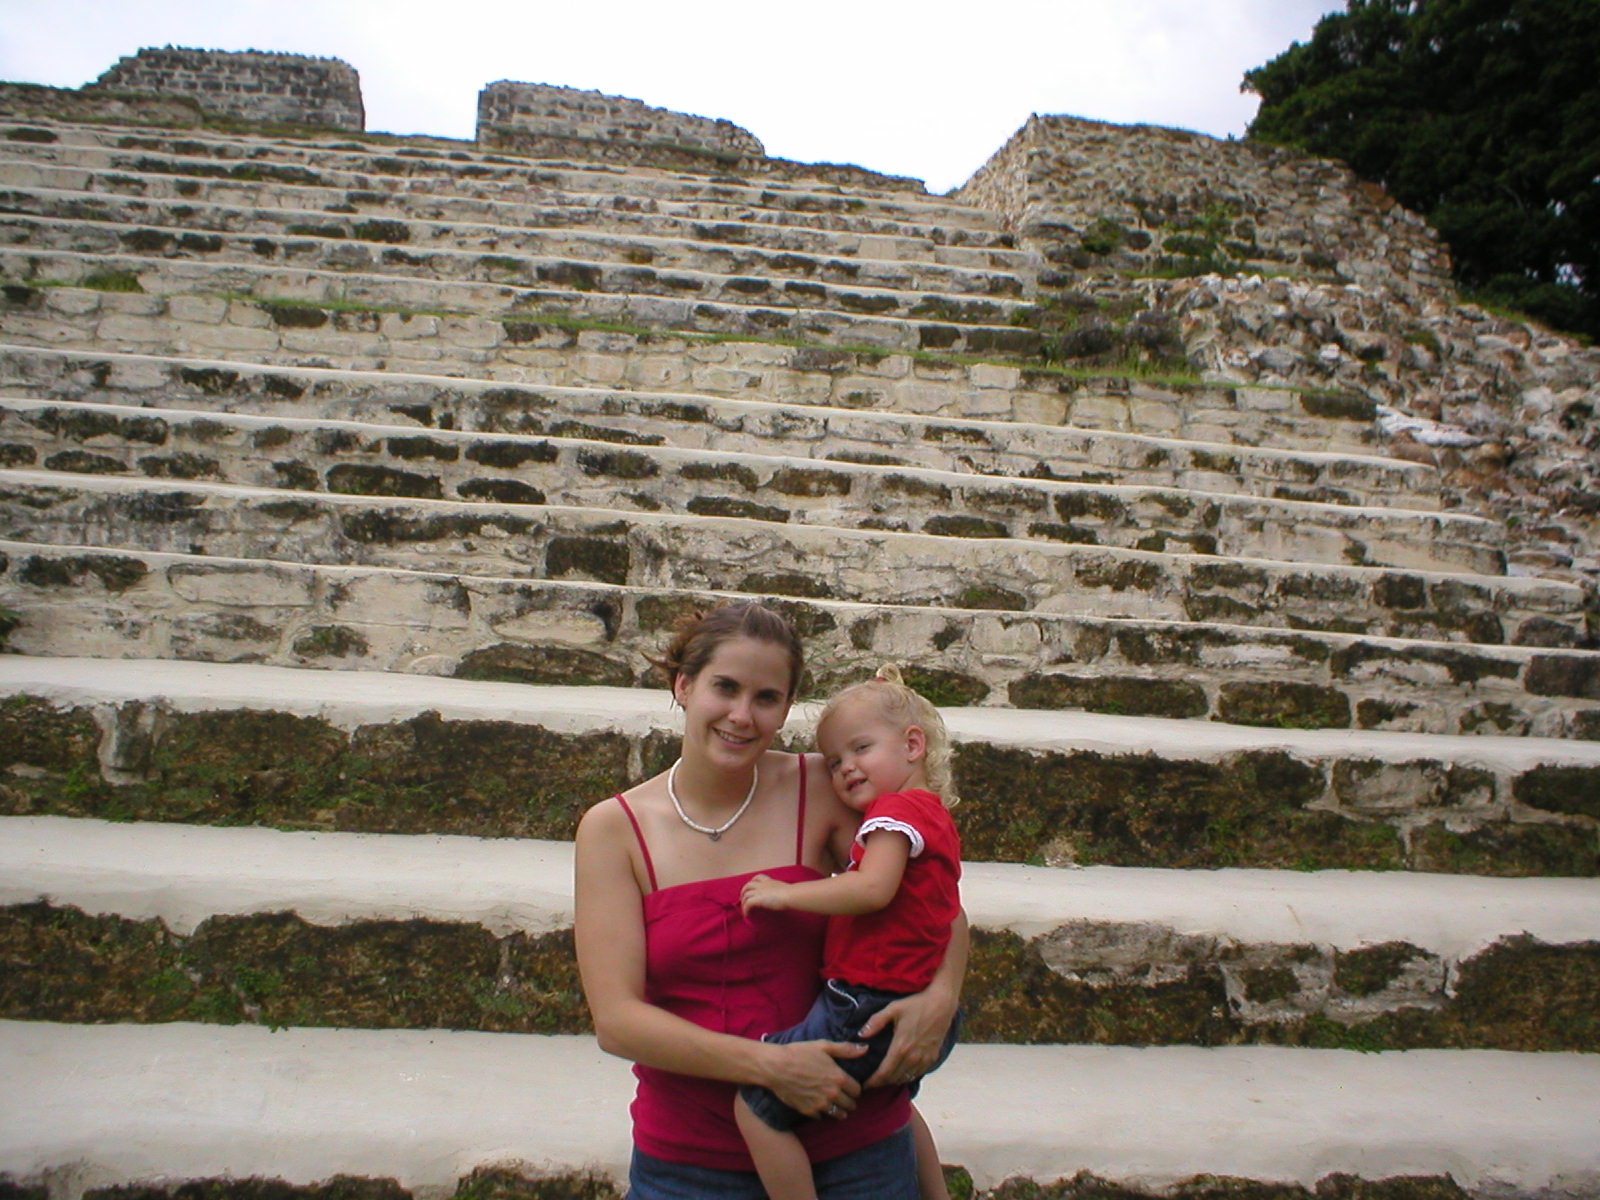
343	486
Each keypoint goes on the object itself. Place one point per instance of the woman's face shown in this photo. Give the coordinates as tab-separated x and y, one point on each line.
737	703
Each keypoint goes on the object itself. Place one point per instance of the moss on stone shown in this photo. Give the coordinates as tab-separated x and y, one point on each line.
1367	970
810	481
511	455
1012	996
1558	789
1508	849
963	526
500	491
277	969
1124	696
115	573
1144	810
618	464
422	775
727	506
330	641
360	479
1284	705
946	689
722	472
604	560
549	665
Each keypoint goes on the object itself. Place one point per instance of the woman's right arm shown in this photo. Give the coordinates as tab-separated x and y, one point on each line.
609	932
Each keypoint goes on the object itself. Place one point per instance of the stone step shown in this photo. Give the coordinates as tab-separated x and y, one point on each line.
359	167
535	208
644	418
548	351
502	253
119	1105
815	313
324	455
127	603
739	554
384	752
1391	959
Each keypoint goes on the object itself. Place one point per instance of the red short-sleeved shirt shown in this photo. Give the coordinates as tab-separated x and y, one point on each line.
899	947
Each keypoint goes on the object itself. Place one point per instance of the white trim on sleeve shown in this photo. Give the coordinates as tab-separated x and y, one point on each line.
889	823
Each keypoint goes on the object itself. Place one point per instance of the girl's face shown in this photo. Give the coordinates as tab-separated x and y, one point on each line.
869	755
737	703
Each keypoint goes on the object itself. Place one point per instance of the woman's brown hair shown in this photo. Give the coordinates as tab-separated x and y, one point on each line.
698	635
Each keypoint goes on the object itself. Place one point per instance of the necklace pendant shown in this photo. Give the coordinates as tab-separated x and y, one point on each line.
716	835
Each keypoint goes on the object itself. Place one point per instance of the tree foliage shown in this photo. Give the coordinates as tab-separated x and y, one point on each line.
1482	115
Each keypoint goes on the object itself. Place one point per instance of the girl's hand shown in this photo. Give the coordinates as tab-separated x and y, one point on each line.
762	891
920	1022
806	1078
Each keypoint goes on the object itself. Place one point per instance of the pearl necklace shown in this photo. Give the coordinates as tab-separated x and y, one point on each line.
714	834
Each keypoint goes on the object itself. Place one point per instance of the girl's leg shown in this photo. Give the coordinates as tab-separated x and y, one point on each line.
930	1175
779	1157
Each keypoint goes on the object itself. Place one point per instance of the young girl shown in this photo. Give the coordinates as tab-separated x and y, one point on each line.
888	757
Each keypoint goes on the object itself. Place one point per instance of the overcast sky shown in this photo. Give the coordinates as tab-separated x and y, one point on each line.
928	89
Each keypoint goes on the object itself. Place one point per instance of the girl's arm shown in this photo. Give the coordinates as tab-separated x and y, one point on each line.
866	889
609	932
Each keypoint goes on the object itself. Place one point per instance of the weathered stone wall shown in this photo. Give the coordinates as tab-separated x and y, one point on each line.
1139	199
538	117
253	84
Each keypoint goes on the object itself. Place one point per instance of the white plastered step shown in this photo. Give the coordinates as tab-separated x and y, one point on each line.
97	1105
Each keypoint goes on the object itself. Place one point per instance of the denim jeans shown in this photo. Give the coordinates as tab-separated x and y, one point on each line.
837	1016
885	1170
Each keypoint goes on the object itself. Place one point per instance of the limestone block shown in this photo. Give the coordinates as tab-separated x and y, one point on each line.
992	375
408	326
721	381
1035	407
403	602
600	370
242	585
203	310
39	331
1154	416
123	329
568	628
471	332
71	302
1006	636
656	372
231	339
249	314
322	342
1099	412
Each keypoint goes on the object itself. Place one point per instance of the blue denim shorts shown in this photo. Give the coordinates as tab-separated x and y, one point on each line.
885	1170
837	1015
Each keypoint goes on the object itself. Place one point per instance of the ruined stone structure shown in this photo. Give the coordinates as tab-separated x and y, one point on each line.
343	488
539	118
1131	199
251	84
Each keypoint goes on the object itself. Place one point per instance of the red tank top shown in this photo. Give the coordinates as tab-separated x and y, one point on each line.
705	962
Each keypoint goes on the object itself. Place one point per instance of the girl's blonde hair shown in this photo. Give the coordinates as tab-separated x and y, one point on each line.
903	705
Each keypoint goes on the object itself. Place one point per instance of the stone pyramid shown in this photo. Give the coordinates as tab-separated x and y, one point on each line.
346	479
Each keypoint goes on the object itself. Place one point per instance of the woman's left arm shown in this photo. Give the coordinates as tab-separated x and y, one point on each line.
921	1020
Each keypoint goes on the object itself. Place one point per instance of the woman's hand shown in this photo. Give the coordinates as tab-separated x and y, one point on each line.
805	1076
920	1022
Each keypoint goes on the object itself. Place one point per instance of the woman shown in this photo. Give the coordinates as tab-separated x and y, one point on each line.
681	983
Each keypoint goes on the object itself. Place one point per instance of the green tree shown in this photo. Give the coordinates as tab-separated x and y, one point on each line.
1482	115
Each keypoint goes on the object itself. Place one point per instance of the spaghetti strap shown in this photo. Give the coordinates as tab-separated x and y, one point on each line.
800	823
649	866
